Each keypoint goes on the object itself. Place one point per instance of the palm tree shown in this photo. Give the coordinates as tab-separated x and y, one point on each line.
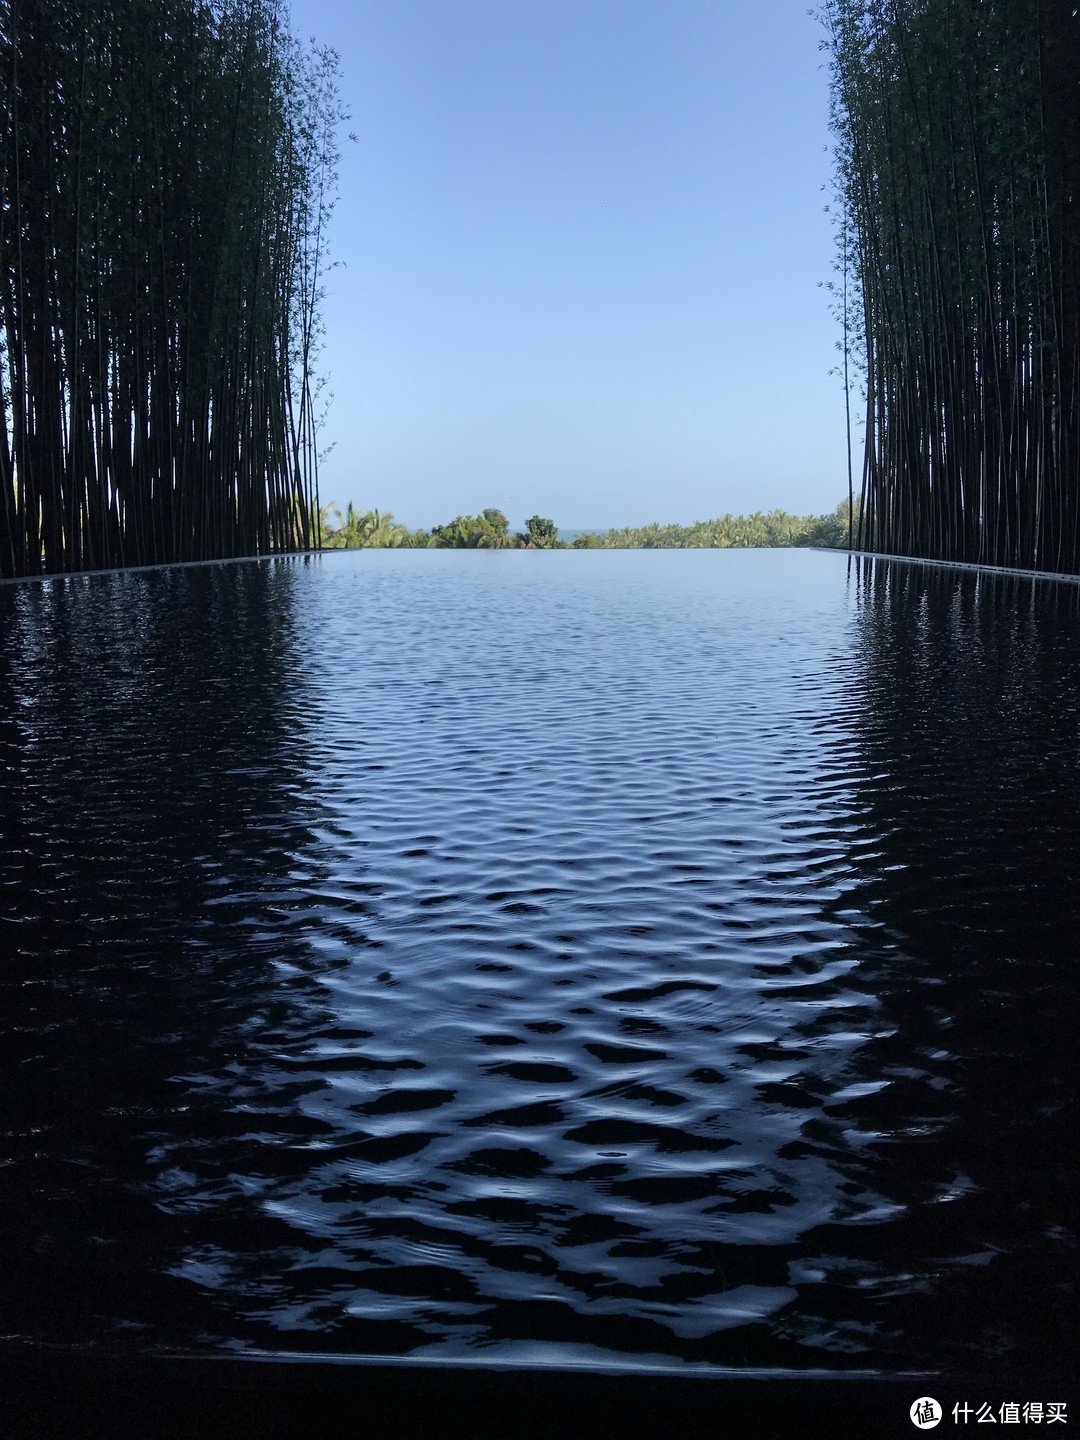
358	529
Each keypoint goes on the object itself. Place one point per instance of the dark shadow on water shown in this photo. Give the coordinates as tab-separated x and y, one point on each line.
967	851
153	820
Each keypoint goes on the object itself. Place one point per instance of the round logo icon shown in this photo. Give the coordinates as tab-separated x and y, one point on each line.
925	1413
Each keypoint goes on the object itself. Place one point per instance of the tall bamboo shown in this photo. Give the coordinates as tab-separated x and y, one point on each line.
958	159
166	179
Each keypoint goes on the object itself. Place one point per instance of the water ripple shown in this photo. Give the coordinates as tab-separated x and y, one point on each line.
461	953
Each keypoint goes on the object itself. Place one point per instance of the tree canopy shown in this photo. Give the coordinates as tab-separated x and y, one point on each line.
489	530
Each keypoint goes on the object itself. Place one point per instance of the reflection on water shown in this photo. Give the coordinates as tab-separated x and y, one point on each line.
570	957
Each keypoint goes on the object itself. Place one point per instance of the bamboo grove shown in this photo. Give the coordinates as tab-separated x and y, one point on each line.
958	145
166	177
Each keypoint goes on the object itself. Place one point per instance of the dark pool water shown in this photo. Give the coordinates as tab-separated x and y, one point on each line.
622	957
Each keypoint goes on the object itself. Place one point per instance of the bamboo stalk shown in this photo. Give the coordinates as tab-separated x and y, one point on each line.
958	152
158	310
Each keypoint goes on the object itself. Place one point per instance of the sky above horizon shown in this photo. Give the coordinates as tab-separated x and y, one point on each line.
579	252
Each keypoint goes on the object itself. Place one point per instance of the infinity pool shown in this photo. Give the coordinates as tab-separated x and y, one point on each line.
657	958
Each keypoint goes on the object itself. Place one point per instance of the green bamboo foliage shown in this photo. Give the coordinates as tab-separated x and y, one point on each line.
166	176
958	148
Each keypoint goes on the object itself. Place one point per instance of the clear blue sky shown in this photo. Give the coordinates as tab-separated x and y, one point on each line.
579	249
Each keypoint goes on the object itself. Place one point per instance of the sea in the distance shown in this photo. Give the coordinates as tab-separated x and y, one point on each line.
574	958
